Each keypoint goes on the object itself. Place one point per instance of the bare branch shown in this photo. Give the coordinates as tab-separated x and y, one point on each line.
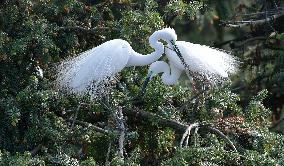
75	116
240	41
108	154
162	122
250	40
184	106
121	133
218	132
187	134
96	128
175	125
238	24
36	149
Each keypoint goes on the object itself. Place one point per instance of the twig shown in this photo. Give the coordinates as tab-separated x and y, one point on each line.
177	51
118	117
96	128
218	132
121	133
108	154
75	116
250	40
36	149
238	24
143	89
231	41
186	134
175	125
162	122
192	98
259	13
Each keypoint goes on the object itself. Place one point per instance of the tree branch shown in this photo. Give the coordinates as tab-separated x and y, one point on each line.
86	124
218	132
177	126
238	24
250	40
163	122
187	134
108	154
121	132
184	106
36	149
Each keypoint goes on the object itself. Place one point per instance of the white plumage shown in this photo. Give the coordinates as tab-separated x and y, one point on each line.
203	59
96	64
91	71
212	63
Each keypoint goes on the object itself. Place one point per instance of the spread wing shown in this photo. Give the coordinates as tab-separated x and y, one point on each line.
94	68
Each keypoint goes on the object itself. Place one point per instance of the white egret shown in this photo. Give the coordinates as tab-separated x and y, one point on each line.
213	64
92	69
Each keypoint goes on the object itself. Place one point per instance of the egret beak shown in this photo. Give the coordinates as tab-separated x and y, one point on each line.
149	75
175	47
177	51
145	83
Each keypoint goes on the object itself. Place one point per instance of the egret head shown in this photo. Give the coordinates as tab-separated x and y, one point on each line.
167	34
156	68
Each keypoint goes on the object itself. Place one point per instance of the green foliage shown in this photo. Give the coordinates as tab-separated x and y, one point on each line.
19	159
41	126
182	9
256	112
201	156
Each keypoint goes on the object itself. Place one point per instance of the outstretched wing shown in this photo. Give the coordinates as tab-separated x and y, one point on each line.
94	67
207	61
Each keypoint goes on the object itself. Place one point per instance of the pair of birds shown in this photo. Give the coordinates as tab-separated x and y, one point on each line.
98	64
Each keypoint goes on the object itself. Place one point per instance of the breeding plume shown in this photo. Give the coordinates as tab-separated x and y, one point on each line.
212	64
91	70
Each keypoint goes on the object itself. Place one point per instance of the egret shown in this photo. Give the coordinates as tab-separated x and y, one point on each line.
212	64
92	69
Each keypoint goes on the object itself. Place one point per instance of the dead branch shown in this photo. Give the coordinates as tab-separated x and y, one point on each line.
121	133
238	24
108	154
175	125
261	38
93	127
187	134
160	121
219	133
36	149
75	116
184	106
